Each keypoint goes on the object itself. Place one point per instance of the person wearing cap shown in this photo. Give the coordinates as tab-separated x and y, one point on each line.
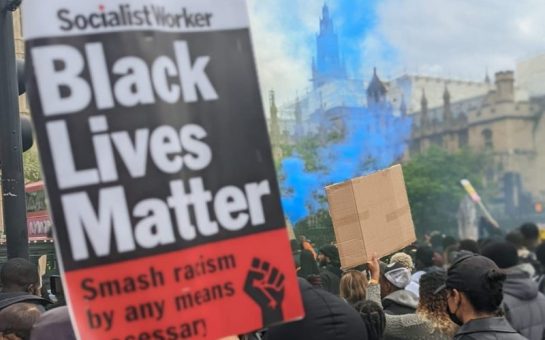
523	304
393	280
474	294
330	271
430	320
407	261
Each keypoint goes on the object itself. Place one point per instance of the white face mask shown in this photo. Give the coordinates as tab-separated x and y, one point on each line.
399	277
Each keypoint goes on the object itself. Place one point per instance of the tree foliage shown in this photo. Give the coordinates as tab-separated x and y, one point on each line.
317	227
31	165
433	185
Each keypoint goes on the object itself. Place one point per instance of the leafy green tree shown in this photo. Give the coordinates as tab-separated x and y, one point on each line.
31	165
317	227
433	185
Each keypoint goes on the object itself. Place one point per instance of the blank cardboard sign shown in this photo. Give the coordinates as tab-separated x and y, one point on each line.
370	214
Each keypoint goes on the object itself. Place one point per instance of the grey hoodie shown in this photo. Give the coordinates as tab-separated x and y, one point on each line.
523	304
405	327
400	302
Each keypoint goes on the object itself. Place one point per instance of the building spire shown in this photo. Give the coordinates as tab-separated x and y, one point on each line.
376	91
274	123
299	130
403	106
424	109
328	62
446	95
447	112
424	100
325	11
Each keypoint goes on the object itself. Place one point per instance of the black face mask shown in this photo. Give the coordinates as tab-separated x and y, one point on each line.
453	317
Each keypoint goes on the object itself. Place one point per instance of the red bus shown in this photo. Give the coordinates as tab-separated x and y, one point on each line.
38	220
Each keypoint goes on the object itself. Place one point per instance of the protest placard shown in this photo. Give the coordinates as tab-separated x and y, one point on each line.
371	215
158	168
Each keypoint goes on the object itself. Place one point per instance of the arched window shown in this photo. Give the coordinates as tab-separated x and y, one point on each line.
463	138
488	139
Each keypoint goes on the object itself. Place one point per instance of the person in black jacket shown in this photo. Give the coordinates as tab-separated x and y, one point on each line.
327	317
330	271
523	304
530	232
20	282
474	295
373	315
540	254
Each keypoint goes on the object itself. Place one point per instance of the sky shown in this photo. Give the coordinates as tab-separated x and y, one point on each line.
459	39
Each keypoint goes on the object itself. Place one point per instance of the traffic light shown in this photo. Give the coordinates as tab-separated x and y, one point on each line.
21	75
26	133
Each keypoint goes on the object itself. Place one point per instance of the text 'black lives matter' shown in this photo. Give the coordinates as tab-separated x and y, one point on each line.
149	90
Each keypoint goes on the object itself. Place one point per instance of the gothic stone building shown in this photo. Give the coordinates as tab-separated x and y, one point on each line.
503	121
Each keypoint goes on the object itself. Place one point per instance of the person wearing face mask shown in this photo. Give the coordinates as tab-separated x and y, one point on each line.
474	288
20	283
429	321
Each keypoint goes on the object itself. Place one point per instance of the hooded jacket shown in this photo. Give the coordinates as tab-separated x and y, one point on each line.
400	302
10	298
524	306
331	278
407	326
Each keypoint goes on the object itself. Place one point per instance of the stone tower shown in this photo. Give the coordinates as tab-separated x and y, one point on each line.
376	91
447	110
328	64
424	119
274	128
299	128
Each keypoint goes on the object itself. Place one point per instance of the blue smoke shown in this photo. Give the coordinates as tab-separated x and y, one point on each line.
372	139
353	140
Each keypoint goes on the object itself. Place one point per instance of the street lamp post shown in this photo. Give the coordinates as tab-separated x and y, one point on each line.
11	158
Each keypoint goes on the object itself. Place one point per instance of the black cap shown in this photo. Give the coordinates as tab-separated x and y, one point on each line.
468	274
397	274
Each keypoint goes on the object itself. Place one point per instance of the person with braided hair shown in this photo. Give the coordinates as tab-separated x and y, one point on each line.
372	314
430	320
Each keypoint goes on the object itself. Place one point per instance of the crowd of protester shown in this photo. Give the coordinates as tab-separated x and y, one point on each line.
441	288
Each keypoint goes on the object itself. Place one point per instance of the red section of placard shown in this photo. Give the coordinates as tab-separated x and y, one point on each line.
227	287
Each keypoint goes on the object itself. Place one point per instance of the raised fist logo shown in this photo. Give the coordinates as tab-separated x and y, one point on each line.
265	285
